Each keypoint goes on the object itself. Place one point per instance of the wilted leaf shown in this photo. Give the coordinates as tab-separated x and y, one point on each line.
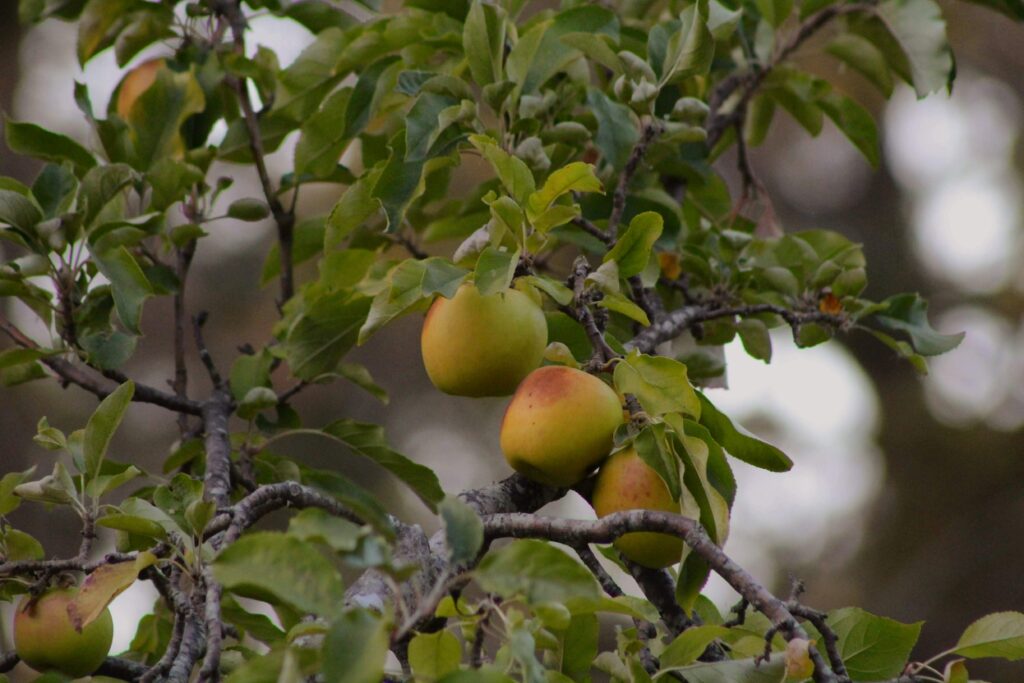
102	586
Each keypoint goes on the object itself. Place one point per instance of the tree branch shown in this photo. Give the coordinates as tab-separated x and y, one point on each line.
72	374
605	530
747	84
216	414
650	131
678	321
285	219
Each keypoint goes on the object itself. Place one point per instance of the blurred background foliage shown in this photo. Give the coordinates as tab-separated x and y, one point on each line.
907	494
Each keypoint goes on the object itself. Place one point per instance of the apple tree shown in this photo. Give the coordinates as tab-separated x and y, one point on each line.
600	231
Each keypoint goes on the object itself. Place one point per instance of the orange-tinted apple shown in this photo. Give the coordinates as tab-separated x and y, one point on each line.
626	482
559	425
46	640
475	345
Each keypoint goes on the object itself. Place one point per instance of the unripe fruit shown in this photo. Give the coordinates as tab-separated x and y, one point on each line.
559	425
136	82
626	482
475	345
45	638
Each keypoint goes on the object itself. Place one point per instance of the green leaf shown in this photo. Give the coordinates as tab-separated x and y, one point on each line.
617	132
368	440
100	23
353	496
513	173
739	443
322	140
873	648
255	401
464	532
494	270
483	41
575	177
8	501
323	334
412	281
249	371
535	570
356	206
35	141
432	655
775	11
273	566
861	54
690	49
146	28
423	123
355	648
532	67
102	425
482	675
734	671
920	31
908	313
398	184
133	524
689	645
55	189
653	448
632	250
597	48
614	301
21	546
756	340
994	635
127	281
171	180
659	383
855	122
319	526
157	115
580	646
18	210
360	376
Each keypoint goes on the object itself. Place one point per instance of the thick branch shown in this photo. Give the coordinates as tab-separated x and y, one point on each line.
607	529
660	589
216	413
123	669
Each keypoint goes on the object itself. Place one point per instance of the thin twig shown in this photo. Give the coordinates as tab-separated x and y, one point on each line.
72	374
650	131
590	228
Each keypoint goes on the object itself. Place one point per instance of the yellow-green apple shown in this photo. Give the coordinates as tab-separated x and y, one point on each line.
626	482
559	425
46	639
476	345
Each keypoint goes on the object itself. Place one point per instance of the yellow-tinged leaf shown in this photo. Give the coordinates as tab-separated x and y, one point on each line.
102	586
799	666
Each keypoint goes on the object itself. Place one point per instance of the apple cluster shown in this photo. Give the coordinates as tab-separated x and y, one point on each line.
561	422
